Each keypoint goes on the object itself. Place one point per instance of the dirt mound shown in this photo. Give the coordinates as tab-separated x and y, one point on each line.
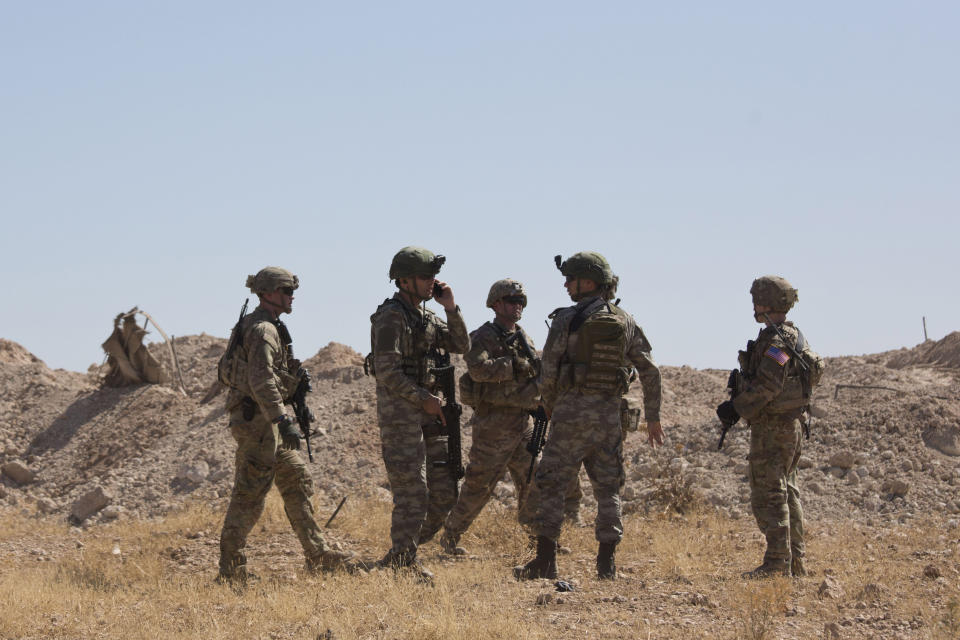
940	353
883	443
335	355
13	353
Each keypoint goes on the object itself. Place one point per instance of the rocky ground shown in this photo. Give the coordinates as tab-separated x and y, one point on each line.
884	443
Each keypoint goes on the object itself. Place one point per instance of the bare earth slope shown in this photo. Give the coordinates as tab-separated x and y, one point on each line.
883	453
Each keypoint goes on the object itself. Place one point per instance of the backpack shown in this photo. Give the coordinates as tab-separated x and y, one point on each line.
599	363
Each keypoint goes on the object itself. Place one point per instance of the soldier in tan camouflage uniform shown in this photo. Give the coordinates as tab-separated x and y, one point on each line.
265	374
413	438
587	361
501	385
772	401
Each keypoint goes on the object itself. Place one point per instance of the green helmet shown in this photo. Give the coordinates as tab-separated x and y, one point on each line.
586	264
413	261
269	279
774	292
504	288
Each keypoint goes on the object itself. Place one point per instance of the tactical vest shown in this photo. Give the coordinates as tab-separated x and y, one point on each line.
419	338
599	363
232	367
800	379
473	393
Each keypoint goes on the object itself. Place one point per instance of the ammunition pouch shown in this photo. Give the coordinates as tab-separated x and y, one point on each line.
630	411
434	430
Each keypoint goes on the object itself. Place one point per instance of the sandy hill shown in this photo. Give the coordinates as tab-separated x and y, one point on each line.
884	443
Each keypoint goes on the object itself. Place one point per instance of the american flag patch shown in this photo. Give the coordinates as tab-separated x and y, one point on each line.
781	357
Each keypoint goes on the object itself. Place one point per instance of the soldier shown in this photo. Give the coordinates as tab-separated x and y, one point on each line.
403	337
775	392
587	361
263	375
501	385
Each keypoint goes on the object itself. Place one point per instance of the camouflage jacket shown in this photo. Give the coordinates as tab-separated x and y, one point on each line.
271	370
491	363
771	381
401	337
561	346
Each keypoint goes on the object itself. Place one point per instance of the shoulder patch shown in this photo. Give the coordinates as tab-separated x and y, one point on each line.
779	356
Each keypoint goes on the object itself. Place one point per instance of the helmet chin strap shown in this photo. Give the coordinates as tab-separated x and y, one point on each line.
276	308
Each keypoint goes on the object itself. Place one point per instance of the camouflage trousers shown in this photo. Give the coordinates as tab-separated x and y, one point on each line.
259	463
774	492
585	430
423	491
499	444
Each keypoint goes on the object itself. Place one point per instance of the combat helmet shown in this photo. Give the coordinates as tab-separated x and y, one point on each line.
586	264
413	261
270	279
774	292
503	288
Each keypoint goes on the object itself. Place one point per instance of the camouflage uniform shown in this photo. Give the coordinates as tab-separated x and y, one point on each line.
585	425
500	425
270	378
423	493
769	405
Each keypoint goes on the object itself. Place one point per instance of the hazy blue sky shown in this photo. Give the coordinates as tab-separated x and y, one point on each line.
155	153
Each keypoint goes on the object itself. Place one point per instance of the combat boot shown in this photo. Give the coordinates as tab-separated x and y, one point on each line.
399	560
797	569
768	569
238	578
449	543
606	561
331	560
543	566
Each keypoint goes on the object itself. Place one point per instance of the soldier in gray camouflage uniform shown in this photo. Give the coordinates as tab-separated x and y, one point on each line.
265	376
772	401
587	361
501	386
403	335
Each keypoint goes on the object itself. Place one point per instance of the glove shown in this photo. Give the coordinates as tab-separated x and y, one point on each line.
523	369
289	435
727	413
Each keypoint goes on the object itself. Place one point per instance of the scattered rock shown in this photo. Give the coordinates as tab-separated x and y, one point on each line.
830	588
895	487
945	439
46	505
544	598
842	459
931	571
195	472
831	630
111	512
18	472
90	503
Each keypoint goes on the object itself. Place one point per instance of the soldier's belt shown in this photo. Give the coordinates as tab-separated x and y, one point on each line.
434	430
487	409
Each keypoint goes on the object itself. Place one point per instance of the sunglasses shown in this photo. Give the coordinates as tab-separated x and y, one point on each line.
287	291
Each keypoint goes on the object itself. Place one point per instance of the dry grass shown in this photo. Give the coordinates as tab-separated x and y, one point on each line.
679	579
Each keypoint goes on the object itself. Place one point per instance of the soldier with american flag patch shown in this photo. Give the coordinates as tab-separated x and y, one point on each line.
772	397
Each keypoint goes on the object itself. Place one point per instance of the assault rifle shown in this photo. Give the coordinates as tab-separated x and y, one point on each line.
235	338
535	446
452	410
734	384
300	409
